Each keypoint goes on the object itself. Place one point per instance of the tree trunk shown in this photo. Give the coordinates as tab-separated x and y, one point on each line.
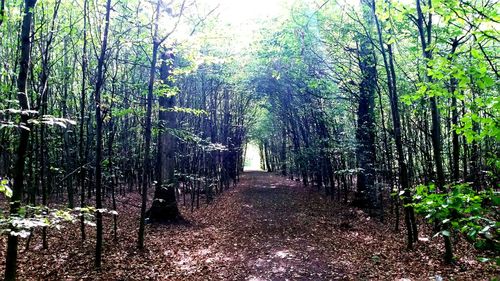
455	161
164	206
396	122
147	142
22	96
81	155
366	195
424	30
98	119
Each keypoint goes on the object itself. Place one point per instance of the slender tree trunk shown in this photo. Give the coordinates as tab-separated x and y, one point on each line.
454	140
147	131
81	139
112	175
98	151
396	122
43	170
424	30
2	11
22	96
283	152
455	161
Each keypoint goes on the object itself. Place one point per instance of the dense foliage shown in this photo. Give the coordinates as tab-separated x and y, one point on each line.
389	105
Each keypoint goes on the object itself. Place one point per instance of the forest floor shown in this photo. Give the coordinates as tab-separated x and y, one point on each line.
266	228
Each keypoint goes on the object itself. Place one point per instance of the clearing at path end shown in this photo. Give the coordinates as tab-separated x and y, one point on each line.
265	228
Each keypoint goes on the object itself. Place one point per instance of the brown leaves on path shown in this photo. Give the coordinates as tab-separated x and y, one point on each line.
267	228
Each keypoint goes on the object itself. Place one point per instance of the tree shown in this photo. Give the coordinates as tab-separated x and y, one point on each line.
98	152
81	153
365	136
390	71
157	41
425	34
164	206
22	96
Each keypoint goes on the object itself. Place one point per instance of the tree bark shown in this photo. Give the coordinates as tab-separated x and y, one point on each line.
2	11
98	119
396	122
22	96
424	30
81	155
366	195
164	206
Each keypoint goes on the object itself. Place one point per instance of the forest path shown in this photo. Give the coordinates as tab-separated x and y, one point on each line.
277	232
265	228
271	228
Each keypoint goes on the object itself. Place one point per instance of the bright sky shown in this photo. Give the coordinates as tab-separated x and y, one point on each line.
241	20
238	12
245	17
252	158
237	20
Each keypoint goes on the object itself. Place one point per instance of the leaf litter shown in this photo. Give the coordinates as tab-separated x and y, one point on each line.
265	228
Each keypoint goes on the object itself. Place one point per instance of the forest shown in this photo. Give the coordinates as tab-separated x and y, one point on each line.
249	140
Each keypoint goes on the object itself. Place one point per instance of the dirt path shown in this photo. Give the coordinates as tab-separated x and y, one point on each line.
266	228
274	236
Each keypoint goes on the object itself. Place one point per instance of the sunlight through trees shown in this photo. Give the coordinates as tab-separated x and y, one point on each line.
120	116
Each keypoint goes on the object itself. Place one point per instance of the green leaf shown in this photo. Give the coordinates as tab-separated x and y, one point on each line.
488	81
475	53
5	188
485	229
